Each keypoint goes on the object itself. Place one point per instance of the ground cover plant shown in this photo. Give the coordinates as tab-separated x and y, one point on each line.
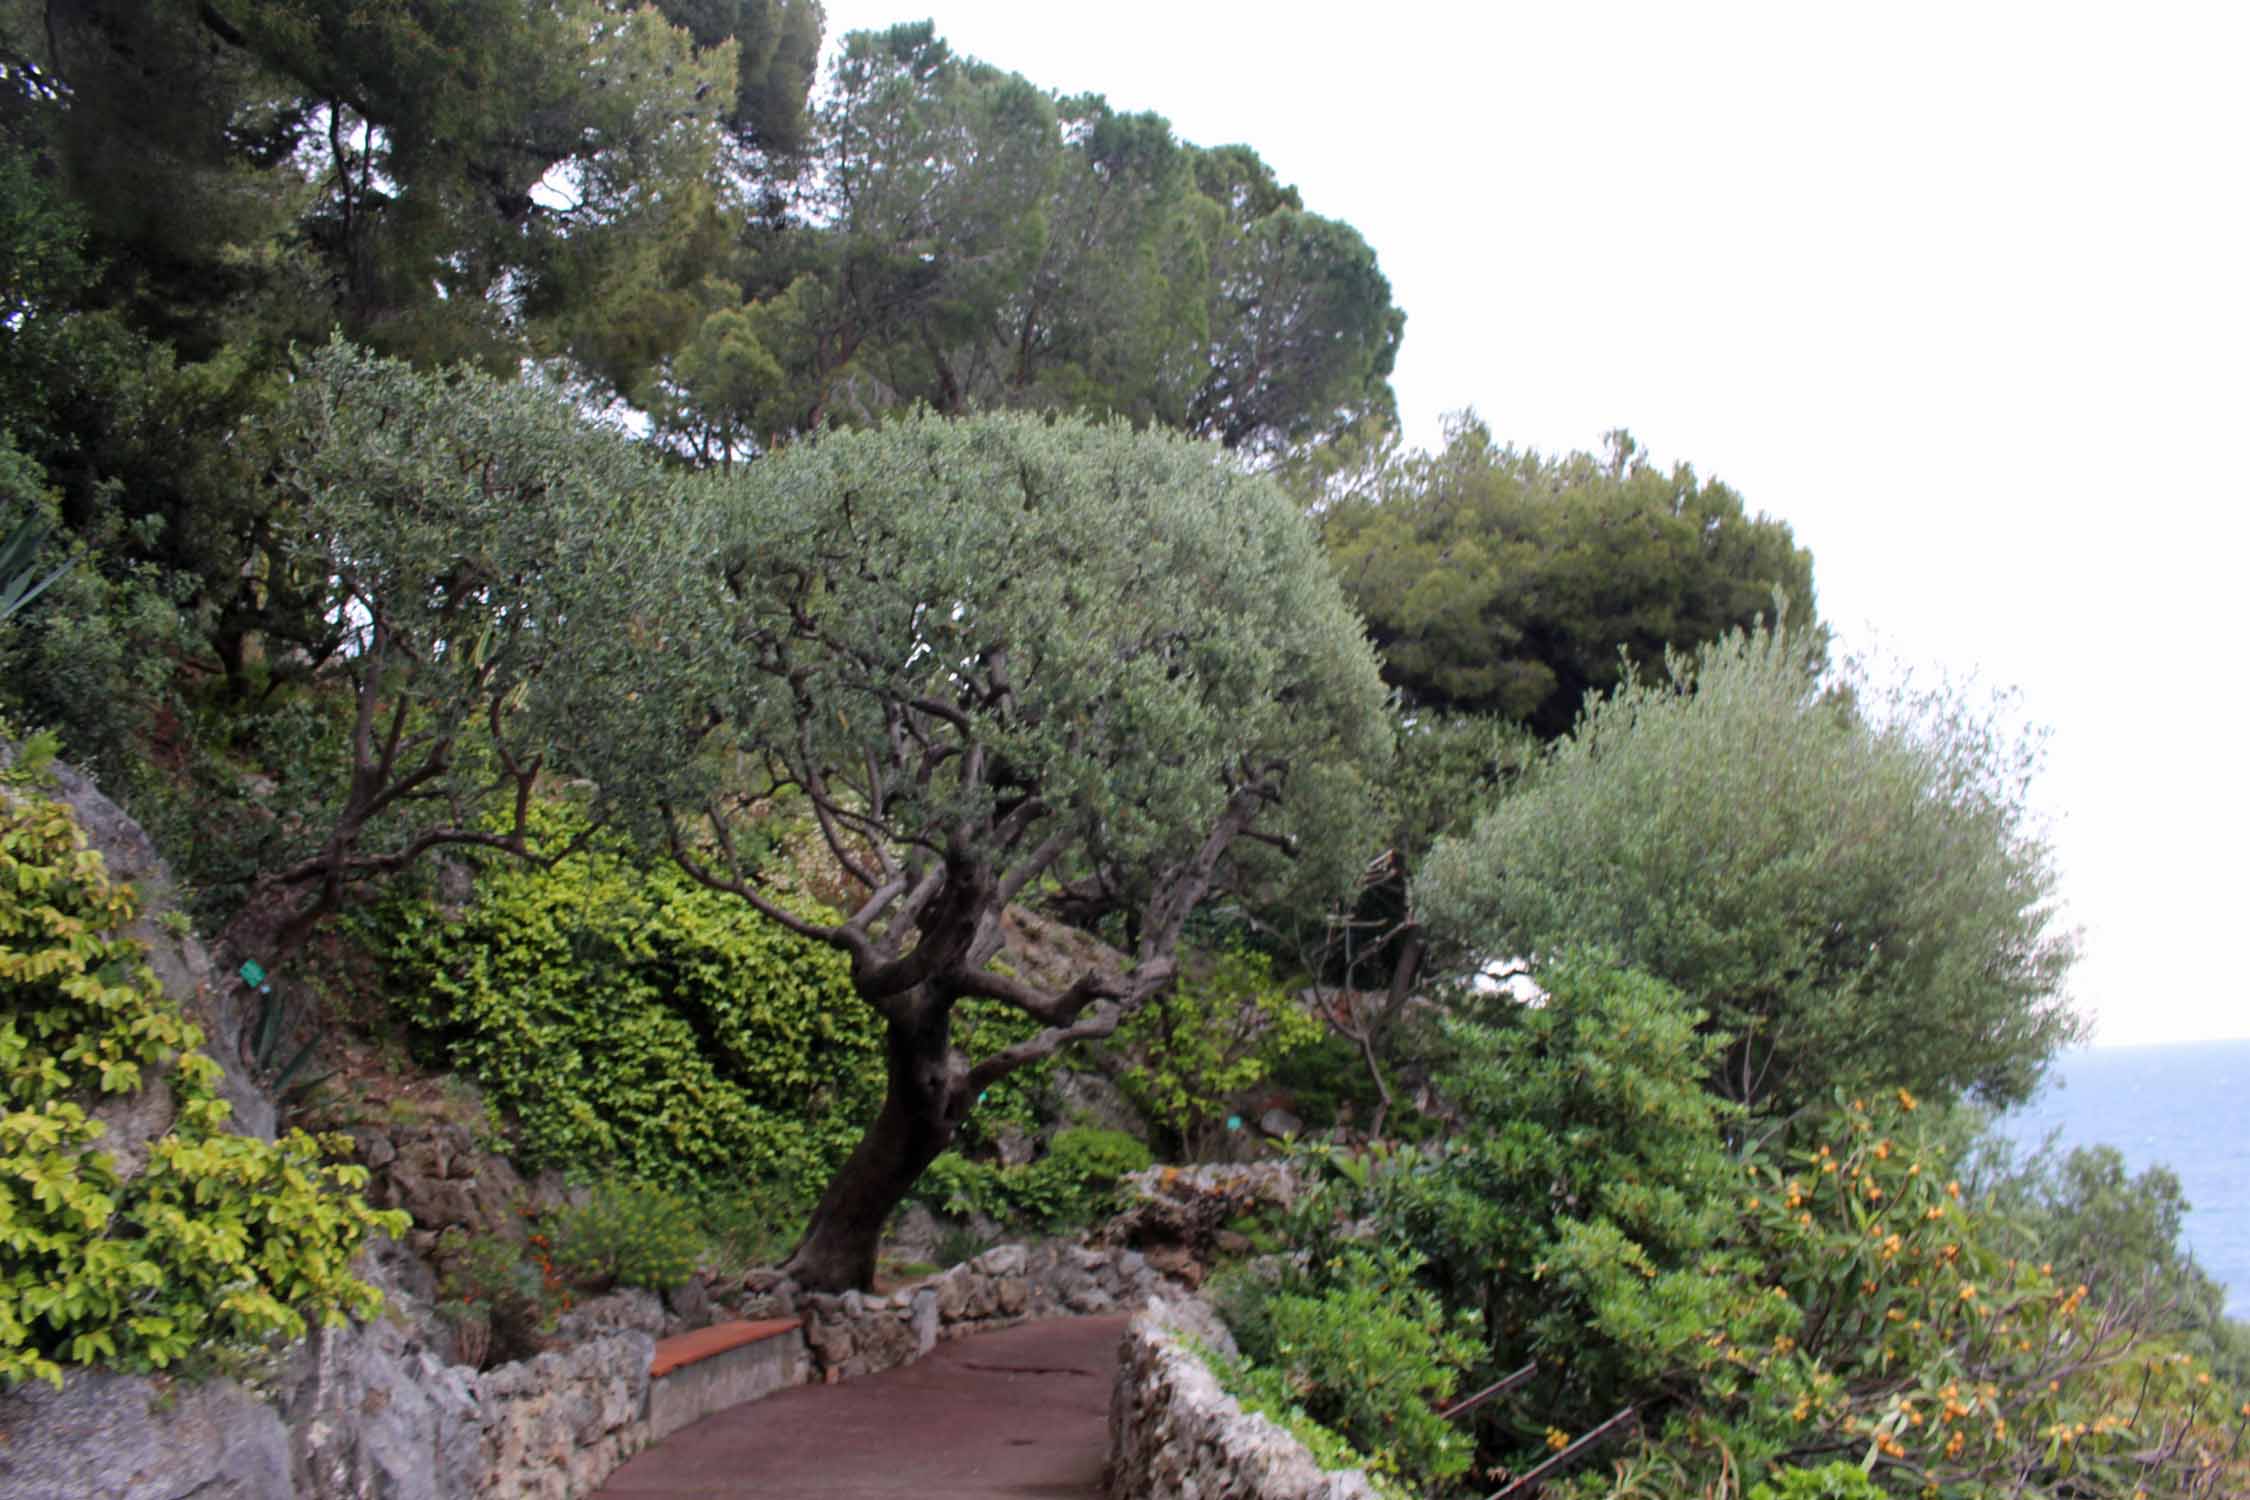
1072	1185
218	1243
629	1021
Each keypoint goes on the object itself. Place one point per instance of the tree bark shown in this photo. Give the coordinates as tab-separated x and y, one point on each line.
922	1106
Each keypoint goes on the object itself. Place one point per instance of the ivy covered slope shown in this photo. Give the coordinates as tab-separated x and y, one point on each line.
218	1242
625	1016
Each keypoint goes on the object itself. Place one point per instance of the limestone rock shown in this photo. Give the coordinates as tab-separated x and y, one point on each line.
922	1318
690	1303
1016	1148
438	1174
132	1122
124	1437
629	1309
1002	1260
1092	1100
914	1232
954	1292
179	962
377	1412
882	1344
1052	954
1281	1123
557	1424
378	1408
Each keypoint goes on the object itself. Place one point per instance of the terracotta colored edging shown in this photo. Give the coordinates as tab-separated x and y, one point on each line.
692	1348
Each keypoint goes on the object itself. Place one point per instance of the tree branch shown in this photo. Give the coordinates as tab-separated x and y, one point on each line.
1090	1009
851	941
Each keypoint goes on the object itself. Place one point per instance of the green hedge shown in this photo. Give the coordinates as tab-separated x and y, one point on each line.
221	1242
635	1023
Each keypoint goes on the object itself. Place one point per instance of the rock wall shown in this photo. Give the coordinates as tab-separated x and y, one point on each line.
559	1423
378	1408
362	1414
1175	1435
850	1334
122	1437
180	963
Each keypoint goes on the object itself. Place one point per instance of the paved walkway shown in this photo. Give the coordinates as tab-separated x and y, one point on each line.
1022	1413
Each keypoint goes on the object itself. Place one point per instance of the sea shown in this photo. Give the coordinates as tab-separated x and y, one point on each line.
2184	1105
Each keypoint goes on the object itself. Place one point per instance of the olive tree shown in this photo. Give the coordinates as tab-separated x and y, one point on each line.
1848	882
483	560
998	654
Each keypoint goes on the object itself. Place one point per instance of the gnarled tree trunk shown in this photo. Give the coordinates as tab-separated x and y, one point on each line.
923	1104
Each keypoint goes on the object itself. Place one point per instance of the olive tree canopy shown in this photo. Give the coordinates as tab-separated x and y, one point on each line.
999	652
481	556
1849	883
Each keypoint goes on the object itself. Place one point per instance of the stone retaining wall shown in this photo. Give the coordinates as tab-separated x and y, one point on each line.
1175	1435
853	1333
373	1410
560	1422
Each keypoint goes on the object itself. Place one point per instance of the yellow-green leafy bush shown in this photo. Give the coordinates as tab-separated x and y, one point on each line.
624	1234
637	1024
1074	1183
221	1241
1209	1038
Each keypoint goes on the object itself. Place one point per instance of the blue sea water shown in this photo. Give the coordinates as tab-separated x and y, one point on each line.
2182	1105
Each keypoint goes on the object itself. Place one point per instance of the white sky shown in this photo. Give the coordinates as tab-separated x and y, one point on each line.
1957	290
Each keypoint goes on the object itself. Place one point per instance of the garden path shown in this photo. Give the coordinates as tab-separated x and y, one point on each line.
1021	1414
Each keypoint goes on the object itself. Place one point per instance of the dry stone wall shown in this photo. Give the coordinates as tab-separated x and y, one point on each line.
851	1334
558	1424
1175	1435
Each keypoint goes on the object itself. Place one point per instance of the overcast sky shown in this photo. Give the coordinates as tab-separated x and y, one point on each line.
1956	290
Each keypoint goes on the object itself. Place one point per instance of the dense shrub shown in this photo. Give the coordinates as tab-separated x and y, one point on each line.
1582	1209
1850	883
1208	1038
1364	1351
1327	1084
1829	1482
1073	1184
1921	1331
220	1242
1763	1309
749	1225
623	1234
637	1024
2120	1233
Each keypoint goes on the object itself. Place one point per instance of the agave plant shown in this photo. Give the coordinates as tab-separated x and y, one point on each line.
19	567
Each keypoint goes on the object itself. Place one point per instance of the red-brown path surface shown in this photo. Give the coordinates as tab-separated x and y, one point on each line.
1022	1414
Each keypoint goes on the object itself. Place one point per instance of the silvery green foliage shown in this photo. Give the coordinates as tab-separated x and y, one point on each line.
1020	647
494	567
1848	881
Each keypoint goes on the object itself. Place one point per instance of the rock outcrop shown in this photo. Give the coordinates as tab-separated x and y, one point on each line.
124	1437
